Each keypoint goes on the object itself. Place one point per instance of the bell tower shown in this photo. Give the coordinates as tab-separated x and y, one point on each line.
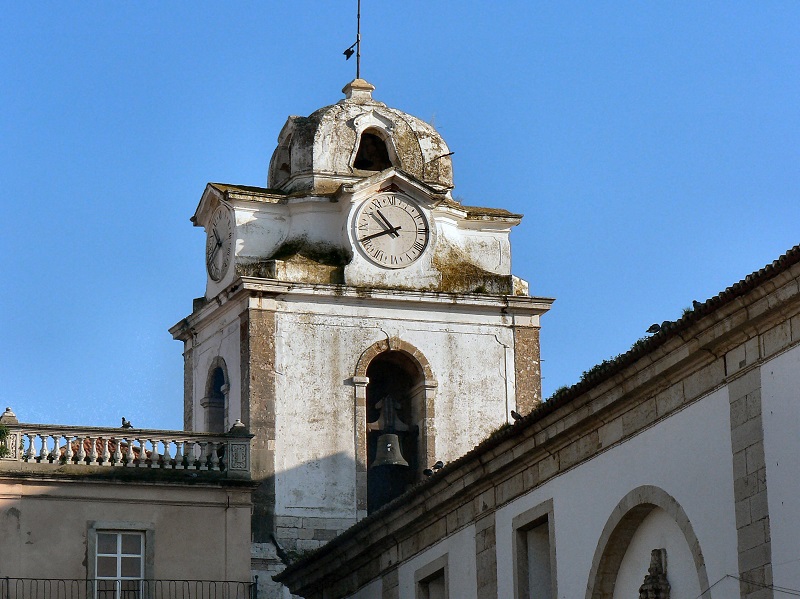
361	322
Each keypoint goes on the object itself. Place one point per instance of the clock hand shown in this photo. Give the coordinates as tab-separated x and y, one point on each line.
392	231
388	224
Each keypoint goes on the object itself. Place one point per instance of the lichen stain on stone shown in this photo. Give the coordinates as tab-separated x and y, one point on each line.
460	275
301	261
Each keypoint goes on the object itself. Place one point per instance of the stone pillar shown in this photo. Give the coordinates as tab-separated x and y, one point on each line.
360	428
750	485
257	343
486	557
188	386
527	369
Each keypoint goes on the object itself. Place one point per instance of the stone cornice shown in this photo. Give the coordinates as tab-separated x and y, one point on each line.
245	287
676	368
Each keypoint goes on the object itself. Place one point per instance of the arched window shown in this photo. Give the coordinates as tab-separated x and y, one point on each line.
393	435
214	403
372	154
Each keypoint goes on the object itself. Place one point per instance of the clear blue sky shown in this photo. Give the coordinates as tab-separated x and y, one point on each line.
654	149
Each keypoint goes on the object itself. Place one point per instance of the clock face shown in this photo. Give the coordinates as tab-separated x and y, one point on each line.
390	230
219	244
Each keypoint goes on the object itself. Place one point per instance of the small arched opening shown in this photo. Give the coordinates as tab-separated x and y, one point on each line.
215	402
372	154
394	411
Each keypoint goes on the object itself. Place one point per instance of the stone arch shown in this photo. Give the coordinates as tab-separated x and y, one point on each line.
215	402
423	394
619	530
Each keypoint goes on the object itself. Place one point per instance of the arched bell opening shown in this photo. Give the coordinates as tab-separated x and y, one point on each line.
372	154
215	402
393	439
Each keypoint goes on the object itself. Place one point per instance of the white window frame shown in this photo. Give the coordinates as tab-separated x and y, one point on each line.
147	532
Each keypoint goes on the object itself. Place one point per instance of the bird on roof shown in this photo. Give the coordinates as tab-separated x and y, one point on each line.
126	423
696	304
516	416
654	328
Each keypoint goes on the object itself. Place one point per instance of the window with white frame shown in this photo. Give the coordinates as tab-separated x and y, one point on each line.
119	564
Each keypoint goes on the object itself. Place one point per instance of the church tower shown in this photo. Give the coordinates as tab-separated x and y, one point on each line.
361	322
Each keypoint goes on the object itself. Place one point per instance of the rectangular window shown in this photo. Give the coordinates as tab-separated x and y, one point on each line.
119	566
432	580
534	553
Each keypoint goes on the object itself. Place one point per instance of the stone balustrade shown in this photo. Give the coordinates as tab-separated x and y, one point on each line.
129	448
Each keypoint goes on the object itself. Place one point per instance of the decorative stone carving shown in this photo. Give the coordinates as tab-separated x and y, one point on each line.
655	585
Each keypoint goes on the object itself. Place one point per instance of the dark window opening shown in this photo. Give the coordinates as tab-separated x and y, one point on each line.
372	154
215	402
392	434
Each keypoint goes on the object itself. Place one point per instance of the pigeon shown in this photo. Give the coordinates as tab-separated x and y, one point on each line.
438	465
427	472
126	423
516	416
654	328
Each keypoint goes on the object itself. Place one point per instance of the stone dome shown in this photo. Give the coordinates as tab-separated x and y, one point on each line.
353	139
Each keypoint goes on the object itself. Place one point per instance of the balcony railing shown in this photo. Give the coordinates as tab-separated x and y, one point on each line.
129	448
39	588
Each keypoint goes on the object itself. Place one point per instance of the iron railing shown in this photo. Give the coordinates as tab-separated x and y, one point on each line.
64	588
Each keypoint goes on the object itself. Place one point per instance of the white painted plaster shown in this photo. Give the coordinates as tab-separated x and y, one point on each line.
462	577
316	400
658	531
780	408
688	456
373	590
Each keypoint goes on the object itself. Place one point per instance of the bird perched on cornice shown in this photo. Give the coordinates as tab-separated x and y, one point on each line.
516	416
126	423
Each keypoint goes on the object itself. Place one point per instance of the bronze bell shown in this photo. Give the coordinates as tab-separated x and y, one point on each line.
388	452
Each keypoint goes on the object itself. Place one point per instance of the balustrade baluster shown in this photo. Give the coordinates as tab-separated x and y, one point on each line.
55	455
117	456
29	453
68	453
166	458
93	453
214	457
129	454
106	456
142	453
203	456
179	455
154	457
43	453
81	455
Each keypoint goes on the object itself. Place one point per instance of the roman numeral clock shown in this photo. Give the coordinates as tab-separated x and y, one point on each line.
390	230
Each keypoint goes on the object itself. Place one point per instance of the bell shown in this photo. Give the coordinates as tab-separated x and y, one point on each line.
388	452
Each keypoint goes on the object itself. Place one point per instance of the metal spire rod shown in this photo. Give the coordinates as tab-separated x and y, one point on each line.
358	41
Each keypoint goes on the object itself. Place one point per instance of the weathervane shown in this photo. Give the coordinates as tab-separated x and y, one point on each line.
357	45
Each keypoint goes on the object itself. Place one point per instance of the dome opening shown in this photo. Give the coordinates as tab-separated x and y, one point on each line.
372	154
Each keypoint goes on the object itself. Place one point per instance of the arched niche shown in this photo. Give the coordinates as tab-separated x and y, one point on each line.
215	400
619	531
393	367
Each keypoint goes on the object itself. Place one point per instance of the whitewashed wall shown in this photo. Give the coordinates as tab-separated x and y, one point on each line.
688	456
780	405
468	358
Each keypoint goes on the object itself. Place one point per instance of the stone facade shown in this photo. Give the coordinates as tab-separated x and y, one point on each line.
298	309
674	430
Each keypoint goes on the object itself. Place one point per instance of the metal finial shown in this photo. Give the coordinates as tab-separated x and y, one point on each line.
357	45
